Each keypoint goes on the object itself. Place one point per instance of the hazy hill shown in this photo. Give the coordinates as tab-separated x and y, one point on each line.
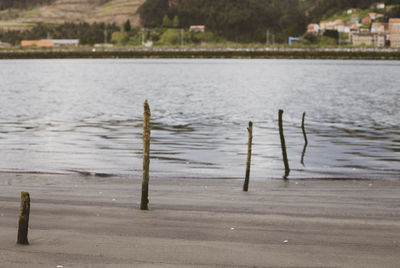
59	11
233	20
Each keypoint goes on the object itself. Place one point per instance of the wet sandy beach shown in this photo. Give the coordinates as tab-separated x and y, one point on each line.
79	221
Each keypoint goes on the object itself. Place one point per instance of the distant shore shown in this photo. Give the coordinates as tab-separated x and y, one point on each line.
93	221
256	53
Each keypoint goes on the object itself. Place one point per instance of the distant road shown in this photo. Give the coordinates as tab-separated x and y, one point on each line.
288	53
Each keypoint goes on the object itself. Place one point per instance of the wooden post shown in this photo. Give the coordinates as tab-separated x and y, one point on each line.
302	127
305	139
283	145
248	162
146	157
23	222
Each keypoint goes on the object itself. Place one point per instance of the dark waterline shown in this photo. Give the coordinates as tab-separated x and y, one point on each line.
85	117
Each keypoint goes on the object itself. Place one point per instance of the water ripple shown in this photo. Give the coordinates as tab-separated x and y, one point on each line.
85	117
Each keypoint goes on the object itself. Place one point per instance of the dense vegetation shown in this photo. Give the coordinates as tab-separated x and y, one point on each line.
247	20
242	21
236	20
319	9
85	32
22	4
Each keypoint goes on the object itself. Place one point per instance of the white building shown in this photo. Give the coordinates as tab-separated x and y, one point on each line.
313	28
368	39
3	44
380	5
197	28
63	42
377	27
351	10
394	32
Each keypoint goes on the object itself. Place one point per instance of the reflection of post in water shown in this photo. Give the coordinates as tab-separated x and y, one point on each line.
305	139
283	145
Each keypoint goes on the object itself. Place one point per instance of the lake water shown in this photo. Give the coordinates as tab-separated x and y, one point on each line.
85	117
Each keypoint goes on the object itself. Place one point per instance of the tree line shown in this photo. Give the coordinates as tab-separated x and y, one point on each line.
247	20
236	20
241	21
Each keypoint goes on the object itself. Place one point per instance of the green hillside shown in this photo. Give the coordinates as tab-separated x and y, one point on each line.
229	21
249	20
23	14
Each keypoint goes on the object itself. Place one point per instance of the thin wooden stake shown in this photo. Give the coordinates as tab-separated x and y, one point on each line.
283	145
146	156
23	222
302	127
248	162
305	139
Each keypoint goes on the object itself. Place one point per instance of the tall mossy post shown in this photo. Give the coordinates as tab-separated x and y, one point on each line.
146	157
23	222
283	145
248	162
305	139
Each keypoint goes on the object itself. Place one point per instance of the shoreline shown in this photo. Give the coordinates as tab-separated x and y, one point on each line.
96	222
158	176
205	53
